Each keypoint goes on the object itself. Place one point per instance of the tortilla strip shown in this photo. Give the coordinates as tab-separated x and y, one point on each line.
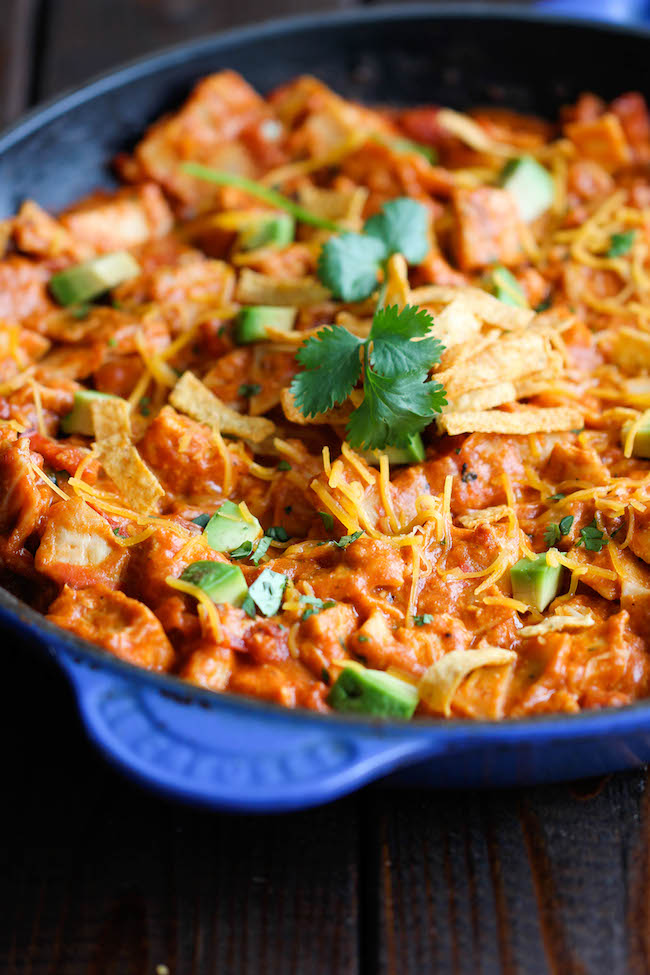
263	289
192	397
441	681
488	308
456	323
397	282
527	420
138	485
110	416
346	205
631	350
483	399
556	623
509	357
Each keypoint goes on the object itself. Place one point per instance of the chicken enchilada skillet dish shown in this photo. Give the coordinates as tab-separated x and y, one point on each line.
343	408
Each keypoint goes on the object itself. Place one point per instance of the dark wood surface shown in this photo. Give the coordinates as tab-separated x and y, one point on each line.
99	877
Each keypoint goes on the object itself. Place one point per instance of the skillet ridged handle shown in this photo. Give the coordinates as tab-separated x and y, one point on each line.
227	756
616	11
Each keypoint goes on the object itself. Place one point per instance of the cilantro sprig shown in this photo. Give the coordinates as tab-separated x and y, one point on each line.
592	538
620	244
399	400
554	532
349	264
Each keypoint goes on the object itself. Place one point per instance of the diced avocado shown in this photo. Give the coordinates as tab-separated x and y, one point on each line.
228	528
504	286
413	453
361	691
253	321
89	280
222	582
531	185
276	230
534	582
641	442
80	417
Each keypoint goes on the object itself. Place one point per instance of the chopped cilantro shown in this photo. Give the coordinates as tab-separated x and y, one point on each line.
328	520
399	400
80	312
565	524
457	451
288	509
362	638
143	406
260	550
592	538
578	430
277	534
556	497
543	305
119	533
346	540
284	465
620	244
201	520
325	675
554	532
249	389
267	591
423	619
112	342
467	476
242	551
249	606
315	605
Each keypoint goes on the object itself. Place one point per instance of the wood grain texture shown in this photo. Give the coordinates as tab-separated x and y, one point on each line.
84	38
18	38
101	878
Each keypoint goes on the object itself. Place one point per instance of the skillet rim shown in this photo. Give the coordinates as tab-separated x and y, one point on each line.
21	620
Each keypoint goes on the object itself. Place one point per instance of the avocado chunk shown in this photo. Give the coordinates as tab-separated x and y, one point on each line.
253	321
275	230
503	285
222	582
361	691
531	185
534	582
413	453
641	442
227	529
89	280
80	417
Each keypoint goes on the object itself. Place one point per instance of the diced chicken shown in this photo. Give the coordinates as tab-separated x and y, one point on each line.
113	221
185	456
209	129
24	500
19	347
123	626
35	232
602	139
78	547
23	288
487	228
570	462
632	111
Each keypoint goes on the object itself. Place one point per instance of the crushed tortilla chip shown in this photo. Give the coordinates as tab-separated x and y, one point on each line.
556	623
527	420
344	205
471	133
484	305
631	350
192	397
264	289
483	399
110	415
441	681
507	358
455	323
484	516
138	485
337	416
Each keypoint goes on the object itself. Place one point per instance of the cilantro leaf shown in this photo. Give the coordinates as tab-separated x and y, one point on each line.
201	520
284	465
328	520
242	551
315	605
394	350
592	538
551	535
332	369
346	540
267	591
402	226
277	533
620	244
249	606
349	264
422	620
393	409
565	524
249	389
260	550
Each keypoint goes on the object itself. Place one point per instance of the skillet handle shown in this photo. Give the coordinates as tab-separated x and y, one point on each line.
225	754
615	11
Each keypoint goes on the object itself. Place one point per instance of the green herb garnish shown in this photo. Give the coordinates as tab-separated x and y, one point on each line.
346	540
249	607
201	520
399	400
592	538
277	534
554	532
284	465
328	520
315	605
260	550
620	244
249	389
423	619
242	551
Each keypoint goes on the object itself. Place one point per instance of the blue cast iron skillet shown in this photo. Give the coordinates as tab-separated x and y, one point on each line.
230	752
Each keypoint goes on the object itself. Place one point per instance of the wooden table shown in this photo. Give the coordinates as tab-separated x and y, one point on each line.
98	877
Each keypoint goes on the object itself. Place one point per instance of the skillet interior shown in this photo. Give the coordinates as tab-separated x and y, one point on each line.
408	55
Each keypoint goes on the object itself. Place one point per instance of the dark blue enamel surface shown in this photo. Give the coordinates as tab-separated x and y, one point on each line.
232	753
